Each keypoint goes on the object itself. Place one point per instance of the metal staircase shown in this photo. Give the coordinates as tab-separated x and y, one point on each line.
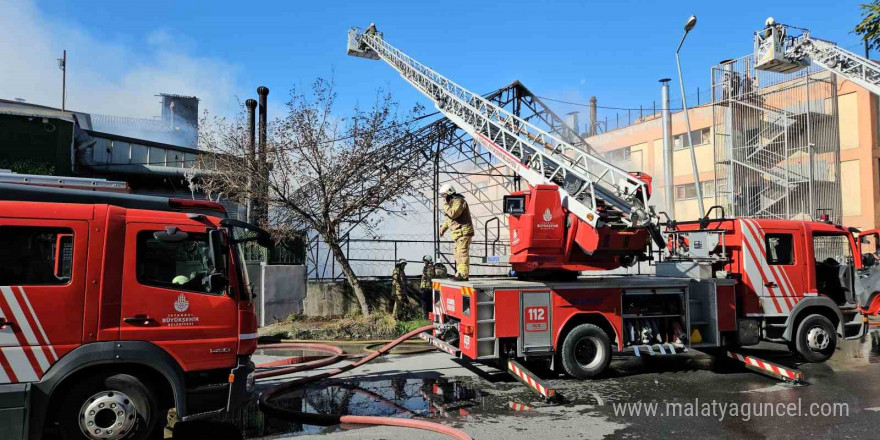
594	190
775	129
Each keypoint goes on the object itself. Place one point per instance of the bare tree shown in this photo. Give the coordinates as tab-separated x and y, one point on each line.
327	173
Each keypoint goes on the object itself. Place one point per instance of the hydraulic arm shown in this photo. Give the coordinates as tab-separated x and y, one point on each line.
598	201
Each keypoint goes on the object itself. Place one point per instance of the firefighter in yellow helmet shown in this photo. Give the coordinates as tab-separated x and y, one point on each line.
458	220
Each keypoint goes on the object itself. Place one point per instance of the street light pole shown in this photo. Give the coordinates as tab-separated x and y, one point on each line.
62	64
691	22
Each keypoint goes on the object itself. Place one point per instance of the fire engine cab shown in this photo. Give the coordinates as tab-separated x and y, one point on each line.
115	308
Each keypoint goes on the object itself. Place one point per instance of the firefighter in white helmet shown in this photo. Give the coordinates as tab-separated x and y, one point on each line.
458	220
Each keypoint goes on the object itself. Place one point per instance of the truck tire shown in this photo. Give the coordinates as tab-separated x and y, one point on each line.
815	339
586	351
109	407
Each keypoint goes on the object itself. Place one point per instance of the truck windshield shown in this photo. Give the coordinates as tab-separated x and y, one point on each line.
832	247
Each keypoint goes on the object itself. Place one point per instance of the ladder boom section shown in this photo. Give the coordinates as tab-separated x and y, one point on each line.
782	48
594	190
842	62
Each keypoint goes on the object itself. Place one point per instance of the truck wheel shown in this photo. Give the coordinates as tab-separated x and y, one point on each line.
815	339
586	351
117	407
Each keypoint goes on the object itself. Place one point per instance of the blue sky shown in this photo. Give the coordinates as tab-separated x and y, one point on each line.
570	50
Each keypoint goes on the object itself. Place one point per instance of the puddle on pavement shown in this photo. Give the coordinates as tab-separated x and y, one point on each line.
429	398
455	398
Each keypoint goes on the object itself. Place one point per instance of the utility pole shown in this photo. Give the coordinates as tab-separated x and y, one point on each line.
62	64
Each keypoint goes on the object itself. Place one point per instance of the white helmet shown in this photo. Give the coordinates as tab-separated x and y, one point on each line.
447	189
770	21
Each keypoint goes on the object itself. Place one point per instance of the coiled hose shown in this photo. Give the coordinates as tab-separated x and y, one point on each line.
335	354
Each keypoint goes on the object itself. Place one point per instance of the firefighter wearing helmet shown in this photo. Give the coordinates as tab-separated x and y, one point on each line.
398	287
425	289
458	220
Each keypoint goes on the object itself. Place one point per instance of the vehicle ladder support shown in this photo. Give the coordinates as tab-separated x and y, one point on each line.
534	383
771	369
442	345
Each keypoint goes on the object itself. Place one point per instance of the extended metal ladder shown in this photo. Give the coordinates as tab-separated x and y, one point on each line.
779	52
592	189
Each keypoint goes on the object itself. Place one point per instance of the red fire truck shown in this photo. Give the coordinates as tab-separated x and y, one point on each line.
725	282
722	282
115	308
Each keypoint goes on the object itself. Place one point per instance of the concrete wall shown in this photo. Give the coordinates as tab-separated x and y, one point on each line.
335	298
282	291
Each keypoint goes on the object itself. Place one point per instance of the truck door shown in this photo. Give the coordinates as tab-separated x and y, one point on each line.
835	266
166	301
774	259
42	275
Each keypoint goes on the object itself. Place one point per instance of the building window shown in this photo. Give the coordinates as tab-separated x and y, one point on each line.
700	137
709	188
780	249
689	190
686	191
178	265
619	155
35	256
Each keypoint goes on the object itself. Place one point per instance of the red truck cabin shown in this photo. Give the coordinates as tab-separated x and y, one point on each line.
787	270
781	262
92	294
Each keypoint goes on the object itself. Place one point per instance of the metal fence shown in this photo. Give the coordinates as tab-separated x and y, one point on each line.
291	251
375	258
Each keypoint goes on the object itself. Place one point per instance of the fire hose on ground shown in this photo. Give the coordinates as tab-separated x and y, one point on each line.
334	354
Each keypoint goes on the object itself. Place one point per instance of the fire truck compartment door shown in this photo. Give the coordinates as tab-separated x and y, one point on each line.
535	316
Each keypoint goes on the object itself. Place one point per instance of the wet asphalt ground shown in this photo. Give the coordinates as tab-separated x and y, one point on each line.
840	401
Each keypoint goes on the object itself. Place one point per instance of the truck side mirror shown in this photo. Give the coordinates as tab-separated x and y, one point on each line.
216	282
217	246
868	260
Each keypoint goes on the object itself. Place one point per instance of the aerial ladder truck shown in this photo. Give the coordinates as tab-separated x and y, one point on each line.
725	282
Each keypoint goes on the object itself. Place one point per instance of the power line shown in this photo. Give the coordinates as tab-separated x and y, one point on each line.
582	104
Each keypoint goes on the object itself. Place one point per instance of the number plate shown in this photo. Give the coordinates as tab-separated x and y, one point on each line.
536	319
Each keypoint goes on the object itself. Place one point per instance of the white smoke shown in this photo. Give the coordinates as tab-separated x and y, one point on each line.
103	76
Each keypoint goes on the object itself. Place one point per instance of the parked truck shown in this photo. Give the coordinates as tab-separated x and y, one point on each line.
115	308
719	282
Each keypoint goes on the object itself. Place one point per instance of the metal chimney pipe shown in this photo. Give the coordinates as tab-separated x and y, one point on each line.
262	212
668	170
263	92
593	121
573	123
171	110
251	105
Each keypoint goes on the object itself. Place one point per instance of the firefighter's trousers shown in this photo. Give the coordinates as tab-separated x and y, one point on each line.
462	251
